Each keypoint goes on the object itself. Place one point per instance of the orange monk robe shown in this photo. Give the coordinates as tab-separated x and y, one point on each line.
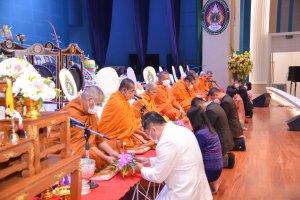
76	110
183	95
202	87
117	121
150	105
166	102
210	84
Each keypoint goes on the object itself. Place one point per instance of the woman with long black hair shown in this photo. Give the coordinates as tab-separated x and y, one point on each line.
209	143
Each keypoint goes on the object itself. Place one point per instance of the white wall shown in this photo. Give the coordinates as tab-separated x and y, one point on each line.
281	63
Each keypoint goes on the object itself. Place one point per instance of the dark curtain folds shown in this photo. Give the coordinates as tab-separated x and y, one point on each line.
99	14
173	15
141	22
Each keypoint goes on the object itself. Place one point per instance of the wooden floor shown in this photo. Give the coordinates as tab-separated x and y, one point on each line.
270	167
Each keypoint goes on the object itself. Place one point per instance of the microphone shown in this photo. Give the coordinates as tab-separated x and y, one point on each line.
137	96
77	122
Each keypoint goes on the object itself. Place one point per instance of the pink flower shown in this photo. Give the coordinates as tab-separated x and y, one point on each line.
38	84
124	160
17	68
179	123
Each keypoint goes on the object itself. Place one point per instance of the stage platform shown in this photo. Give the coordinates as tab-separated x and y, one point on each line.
270	167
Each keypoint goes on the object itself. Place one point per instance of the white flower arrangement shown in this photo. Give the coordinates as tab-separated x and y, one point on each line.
28	83
14	68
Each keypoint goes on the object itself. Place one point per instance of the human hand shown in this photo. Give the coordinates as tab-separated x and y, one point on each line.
145	136
115	154
138	166
144	161
182	113
109	159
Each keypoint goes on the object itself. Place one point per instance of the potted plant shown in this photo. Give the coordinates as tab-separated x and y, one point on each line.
240	65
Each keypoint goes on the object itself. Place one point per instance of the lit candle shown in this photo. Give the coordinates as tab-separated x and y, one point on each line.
9	96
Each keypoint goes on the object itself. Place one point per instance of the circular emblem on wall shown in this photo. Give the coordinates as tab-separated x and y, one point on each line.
215	16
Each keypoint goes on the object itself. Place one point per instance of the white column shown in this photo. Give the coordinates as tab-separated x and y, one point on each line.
259	77
215	53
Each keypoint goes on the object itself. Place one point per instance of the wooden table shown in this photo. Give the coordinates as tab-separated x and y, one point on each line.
37	130
53	168
23	147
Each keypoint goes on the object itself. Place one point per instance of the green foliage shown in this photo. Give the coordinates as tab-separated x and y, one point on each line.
3	56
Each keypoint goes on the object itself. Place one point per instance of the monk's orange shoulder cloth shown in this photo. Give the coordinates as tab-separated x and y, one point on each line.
117	119
183	95
136	107
164	99
76	110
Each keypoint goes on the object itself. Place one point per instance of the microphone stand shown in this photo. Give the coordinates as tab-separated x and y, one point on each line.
142	110
86	135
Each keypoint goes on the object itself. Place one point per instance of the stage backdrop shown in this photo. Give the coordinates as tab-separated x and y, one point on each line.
215	47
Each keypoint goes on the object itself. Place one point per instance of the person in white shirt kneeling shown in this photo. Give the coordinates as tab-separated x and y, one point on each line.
178	161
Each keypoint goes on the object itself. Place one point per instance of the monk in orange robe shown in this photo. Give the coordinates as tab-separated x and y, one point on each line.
148	100
117	119
209	74
165	101
202	85
84	109
183	92
195	87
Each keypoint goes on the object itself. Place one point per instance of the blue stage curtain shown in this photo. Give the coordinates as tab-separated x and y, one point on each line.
173	15
99	14
141	22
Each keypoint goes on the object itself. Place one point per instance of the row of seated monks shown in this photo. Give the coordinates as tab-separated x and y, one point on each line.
120	120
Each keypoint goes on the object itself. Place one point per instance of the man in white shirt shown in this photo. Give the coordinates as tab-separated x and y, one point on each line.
178	161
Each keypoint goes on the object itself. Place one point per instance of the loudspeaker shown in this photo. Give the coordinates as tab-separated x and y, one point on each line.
262	101
294	123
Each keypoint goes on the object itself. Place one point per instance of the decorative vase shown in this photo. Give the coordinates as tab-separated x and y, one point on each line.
127	173
32	108
88	169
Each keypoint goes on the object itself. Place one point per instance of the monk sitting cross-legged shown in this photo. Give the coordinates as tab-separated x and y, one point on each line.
84	109
183	92
148	100
165	101
117	119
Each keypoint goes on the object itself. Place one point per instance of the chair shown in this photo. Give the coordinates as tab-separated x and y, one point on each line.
174	74
149	74
68	84
160	69
108	80
181	71
131	76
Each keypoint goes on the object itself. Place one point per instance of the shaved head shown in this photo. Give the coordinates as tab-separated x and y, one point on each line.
191	72
151	86
92	91
126	83
92	96
203	74
163	73
151	89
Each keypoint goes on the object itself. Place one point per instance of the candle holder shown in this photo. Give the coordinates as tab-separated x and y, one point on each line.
13	137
